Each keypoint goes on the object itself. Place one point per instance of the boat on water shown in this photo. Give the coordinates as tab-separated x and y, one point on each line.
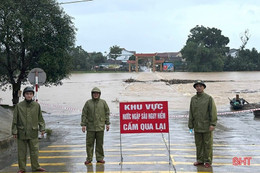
257	113
237	103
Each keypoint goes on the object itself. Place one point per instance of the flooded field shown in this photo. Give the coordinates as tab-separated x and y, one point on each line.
71	96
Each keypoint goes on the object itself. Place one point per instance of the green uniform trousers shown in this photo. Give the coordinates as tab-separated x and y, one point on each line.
204	147
33	145
93	136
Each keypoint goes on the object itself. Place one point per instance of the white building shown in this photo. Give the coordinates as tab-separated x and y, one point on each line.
125	55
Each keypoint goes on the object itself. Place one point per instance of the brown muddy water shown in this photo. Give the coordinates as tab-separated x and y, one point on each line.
71	96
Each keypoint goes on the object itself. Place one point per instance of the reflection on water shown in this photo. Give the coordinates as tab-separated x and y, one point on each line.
98	168
76	90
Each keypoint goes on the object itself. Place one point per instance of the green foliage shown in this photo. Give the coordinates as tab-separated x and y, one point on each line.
115	51
247	60
85	61
98	58
34	34
205	49
157	57
132	58
79	57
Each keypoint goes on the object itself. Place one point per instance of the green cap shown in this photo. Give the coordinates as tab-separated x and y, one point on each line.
28	89
199	82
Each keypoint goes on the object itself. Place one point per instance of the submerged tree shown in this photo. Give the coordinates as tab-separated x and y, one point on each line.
34	34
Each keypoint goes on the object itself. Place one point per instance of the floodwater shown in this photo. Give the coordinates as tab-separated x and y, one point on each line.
236	135
71	96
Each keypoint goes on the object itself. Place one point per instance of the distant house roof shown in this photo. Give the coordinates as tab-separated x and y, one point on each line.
145	54
125	55
233	53
129	51
169	54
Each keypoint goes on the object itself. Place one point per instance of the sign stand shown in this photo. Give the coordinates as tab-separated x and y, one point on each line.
36	85
37	77
121	150
169	143
144	117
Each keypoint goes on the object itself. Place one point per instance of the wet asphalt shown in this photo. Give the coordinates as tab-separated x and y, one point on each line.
236	136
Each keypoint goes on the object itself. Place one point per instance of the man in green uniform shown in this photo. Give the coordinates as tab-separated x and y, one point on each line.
95	116
27	120
203	119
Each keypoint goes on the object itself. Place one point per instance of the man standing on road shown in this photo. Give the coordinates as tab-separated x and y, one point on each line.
26	120
95	116
203	119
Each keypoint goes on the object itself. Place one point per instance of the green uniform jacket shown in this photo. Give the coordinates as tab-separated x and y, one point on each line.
95	115
27	120
203	113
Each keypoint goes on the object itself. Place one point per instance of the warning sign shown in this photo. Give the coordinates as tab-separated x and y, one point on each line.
144	117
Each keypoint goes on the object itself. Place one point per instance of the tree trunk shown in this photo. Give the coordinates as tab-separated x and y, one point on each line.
16	88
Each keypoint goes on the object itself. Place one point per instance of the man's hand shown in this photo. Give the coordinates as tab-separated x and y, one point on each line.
84	129
107	127
211	128
15	136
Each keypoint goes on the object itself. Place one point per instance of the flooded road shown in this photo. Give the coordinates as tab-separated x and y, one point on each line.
236	135
71	96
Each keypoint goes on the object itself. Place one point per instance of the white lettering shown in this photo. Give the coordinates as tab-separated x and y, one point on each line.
127	116
127	107
161	115
130	126
136	116
134	107
152	115
154	106
161	126
146	126
143	115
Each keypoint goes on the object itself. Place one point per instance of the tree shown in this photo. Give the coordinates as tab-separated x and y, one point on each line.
244	38
80	57
115	51
247	60
85	61
205	49
132	58
34	34
95	59
98	58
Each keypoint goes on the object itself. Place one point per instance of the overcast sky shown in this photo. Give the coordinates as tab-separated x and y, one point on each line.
148	26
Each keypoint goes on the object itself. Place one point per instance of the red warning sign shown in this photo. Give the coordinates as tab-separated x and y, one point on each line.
144	117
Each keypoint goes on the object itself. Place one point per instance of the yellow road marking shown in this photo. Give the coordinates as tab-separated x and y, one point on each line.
142	155
110	150
135	163
65	146
144	149
156	144
130	172
128	155
107	163
178	155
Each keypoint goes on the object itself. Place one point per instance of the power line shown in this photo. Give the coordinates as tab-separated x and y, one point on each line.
72	2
